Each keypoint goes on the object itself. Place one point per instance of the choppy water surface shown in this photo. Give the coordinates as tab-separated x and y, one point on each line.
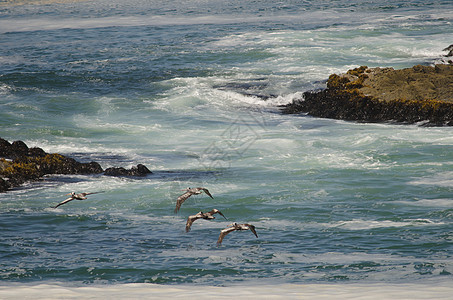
191	89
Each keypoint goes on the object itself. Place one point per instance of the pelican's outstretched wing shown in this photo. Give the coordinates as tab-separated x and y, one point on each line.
192	219
181	200
216	211
207	192
252	229
220	213
223	233
85	194
64	202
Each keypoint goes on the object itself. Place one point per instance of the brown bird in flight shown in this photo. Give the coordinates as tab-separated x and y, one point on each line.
189	192
201	215
233	227
74	196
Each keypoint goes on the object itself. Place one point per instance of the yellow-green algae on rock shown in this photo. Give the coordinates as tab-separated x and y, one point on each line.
19	163
418	94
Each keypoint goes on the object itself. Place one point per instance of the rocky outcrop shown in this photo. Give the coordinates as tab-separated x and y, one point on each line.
418	94
139	170
450	51
19	164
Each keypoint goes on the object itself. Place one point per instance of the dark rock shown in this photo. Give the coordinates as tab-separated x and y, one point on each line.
19	148
19	164
36	152
4	185
5	148
142	169
116	171
139	170
90	168
450	50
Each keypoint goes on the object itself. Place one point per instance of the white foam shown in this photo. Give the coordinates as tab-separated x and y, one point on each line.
442	202
257	101
338	258
444	179
5	88
431	290
372	224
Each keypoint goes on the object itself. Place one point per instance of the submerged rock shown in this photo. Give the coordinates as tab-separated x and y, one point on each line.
19	164
139	170
450	50
420	93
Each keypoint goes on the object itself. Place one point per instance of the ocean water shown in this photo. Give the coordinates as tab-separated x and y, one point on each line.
192	90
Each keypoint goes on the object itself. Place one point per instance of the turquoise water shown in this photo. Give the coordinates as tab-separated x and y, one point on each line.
191	89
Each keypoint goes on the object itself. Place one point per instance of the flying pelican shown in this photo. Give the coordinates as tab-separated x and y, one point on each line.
233	227
189	192
74	196
202	215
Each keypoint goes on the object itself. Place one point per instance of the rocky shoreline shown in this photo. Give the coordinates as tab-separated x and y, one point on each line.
421	94
20	164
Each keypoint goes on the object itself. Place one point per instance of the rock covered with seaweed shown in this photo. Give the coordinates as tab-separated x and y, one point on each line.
19	164
412	95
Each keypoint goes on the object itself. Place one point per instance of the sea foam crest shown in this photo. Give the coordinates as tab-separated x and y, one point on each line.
360	224
444	179
6	89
